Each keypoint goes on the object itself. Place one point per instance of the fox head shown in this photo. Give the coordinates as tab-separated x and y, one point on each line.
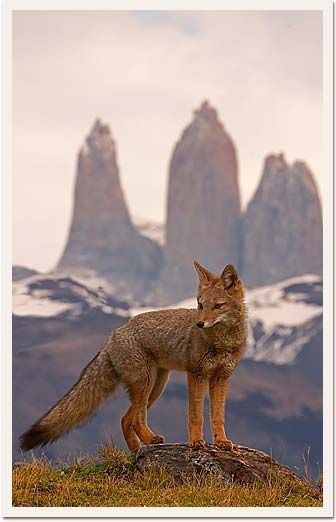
220	298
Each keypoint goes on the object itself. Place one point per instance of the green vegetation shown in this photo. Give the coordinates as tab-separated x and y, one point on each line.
112	480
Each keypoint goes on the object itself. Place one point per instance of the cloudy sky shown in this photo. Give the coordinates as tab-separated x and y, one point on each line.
144	73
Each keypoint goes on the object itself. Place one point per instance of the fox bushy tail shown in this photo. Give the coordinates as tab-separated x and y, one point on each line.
96	382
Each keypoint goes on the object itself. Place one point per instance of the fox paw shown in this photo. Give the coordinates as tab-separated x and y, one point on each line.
224	443
197	444
157	439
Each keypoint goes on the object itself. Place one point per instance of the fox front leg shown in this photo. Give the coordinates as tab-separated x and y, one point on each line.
196	389
218	389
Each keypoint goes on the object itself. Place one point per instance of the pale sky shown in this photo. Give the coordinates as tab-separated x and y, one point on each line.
144	73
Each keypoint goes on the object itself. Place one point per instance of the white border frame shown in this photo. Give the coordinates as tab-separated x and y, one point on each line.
6	356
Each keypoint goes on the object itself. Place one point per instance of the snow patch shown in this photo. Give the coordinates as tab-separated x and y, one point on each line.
151	229
35	306
43	302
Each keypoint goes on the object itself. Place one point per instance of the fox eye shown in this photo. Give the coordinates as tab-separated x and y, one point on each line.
218	305
200	306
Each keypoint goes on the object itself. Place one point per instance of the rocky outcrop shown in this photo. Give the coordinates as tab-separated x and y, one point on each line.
203	212
282	231
242	465
102	237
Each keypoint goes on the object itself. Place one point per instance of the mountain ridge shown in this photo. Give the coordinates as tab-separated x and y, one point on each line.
204	219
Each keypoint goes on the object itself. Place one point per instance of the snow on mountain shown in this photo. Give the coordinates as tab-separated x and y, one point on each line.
283	317
151	229
49	296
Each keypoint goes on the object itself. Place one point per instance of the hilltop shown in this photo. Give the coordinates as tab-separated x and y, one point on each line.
115	479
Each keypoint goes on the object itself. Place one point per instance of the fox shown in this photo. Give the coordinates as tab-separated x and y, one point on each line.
207	342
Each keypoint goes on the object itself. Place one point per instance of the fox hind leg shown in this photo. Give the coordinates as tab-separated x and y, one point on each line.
139	411
132	440
159	385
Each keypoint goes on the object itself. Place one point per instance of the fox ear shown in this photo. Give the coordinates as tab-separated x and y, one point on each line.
204	275
230	277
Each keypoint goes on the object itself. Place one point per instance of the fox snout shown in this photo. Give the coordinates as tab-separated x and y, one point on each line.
207	324
210	314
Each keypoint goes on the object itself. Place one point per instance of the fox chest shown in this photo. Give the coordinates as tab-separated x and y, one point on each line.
214	360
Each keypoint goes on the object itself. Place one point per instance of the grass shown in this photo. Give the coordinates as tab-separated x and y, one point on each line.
112	480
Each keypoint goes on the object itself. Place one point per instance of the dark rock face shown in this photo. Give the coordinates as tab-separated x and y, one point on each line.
203	213
102	237
282	225
242	465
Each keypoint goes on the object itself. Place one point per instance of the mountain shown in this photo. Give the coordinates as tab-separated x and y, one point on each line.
152	263
282	227
275	400
203	209
102	237
22	272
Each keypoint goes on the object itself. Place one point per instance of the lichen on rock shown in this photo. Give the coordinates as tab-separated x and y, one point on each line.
241	464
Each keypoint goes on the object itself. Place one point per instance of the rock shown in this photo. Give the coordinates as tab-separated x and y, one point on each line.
243	465
102	236
282	225
203	214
